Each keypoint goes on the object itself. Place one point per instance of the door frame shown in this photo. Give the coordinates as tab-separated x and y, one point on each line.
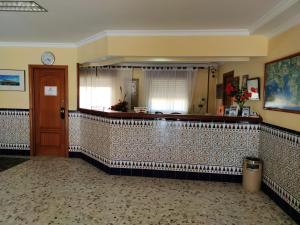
225	76
32	105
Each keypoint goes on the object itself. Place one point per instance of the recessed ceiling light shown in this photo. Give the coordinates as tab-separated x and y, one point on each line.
21	6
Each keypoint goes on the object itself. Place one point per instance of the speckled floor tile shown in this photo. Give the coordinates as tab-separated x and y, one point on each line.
58	191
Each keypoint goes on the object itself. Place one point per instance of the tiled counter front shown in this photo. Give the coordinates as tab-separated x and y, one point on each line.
280	151
14	130
183	146
167	145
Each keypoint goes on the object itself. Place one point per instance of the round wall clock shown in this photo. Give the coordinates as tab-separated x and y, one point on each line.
48	58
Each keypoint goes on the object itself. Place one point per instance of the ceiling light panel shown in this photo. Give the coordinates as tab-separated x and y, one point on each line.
21	6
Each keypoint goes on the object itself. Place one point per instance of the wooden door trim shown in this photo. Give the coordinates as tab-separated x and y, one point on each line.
32	106
226	75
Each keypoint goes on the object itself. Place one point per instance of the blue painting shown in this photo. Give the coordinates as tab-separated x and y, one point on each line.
12	80
282	84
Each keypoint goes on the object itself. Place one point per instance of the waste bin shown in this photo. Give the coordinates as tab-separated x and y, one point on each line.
252	172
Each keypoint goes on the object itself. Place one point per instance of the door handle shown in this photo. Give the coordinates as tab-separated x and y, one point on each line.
62	112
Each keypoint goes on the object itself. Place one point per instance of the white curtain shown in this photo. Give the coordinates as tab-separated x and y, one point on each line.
100	87
169	90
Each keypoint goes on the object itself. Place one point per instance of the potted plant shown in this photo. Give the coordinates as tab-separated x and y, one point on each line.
122	105
239	95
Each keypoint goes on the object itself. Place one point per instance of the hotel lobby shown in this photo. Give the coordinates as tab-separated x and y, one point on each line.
150	113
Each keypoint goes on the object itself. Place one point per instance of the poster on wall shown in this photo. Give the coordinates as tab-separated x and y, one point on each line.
282	84
12	80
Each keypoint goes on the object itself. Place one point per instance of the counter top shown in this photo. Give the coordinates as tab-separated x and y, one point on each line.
180	117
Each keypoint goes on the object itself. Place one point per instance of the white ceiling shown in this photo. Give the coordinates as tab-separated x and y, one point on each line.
69	21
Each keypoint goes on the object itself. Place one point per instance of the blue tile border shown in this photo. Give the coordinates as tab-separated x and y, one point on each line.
281	128
158	173
281	203
14	152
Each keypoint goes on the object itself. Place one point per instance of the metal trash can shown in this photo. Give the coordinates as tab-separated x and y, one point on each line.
252	172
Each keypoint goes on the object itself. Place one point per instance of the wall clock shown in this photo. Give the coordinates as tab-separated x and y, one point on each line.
48	58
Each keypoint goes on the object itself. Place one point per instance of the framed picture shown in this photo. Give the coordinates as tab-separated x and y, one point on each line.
233	111
244	80
246	111
282	84
253	83
12	80
226	111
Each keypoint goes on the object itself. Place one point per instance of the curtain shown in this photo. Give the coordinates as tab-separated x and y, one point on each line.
169	90
102	87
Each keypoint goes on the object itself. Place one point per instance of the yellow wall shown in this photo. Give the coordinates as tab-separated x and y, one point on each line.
204	46
19	59
92	52
200	91
282	45
175	46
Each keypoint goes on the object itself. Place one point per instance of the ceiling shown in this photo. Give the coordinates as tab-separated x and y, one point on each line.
73	20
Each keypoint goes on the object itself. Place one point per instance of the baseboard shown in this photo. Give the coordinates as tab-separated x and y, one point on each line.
281	203
158	173
14	152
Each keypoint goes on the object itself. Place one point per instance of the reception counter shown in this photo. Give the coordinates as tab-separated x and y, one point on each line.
178	117
160	142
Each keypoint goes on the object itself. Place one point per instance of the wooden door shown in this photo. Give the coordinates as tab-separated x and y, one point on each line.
48	110
227	77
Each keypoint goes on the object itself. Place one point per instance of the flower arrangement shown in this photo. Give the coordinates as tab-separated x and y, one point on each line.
240	95
122	105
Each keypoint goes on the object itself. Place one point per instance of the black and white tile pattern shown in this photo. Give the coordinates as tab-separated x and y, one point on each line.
280	151
14	130
165	145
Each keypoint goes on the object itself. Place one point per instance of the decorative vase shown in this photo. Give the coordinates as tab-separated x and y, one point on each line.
240	110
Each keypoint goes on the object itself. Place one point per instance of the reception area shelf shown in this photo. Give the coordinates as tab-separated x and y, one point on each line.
174	117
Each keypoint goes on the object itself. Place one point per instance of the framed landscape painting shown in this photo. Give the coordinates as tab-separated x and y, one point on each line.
282	84
12	80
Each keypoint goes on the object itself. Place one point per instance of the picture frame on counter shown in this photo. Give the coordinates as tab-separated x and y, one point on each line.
246	111
12	80
244	80
226	111
233	111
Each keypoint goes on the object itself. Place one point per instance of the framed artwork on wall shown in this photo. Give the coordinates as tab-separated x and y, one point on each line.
282	84
12	80
244	80
254	83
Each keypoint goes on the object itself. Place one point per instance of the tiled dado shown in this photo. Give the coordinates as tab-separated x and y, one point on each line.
14	130
280	151
166	145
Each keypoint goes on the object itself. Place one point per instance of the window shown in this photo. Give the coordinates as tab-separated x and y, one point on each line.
100	87
168	90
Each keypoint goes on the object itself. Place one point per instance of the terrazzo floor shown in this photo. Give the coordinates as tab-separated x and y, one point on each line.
44	191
